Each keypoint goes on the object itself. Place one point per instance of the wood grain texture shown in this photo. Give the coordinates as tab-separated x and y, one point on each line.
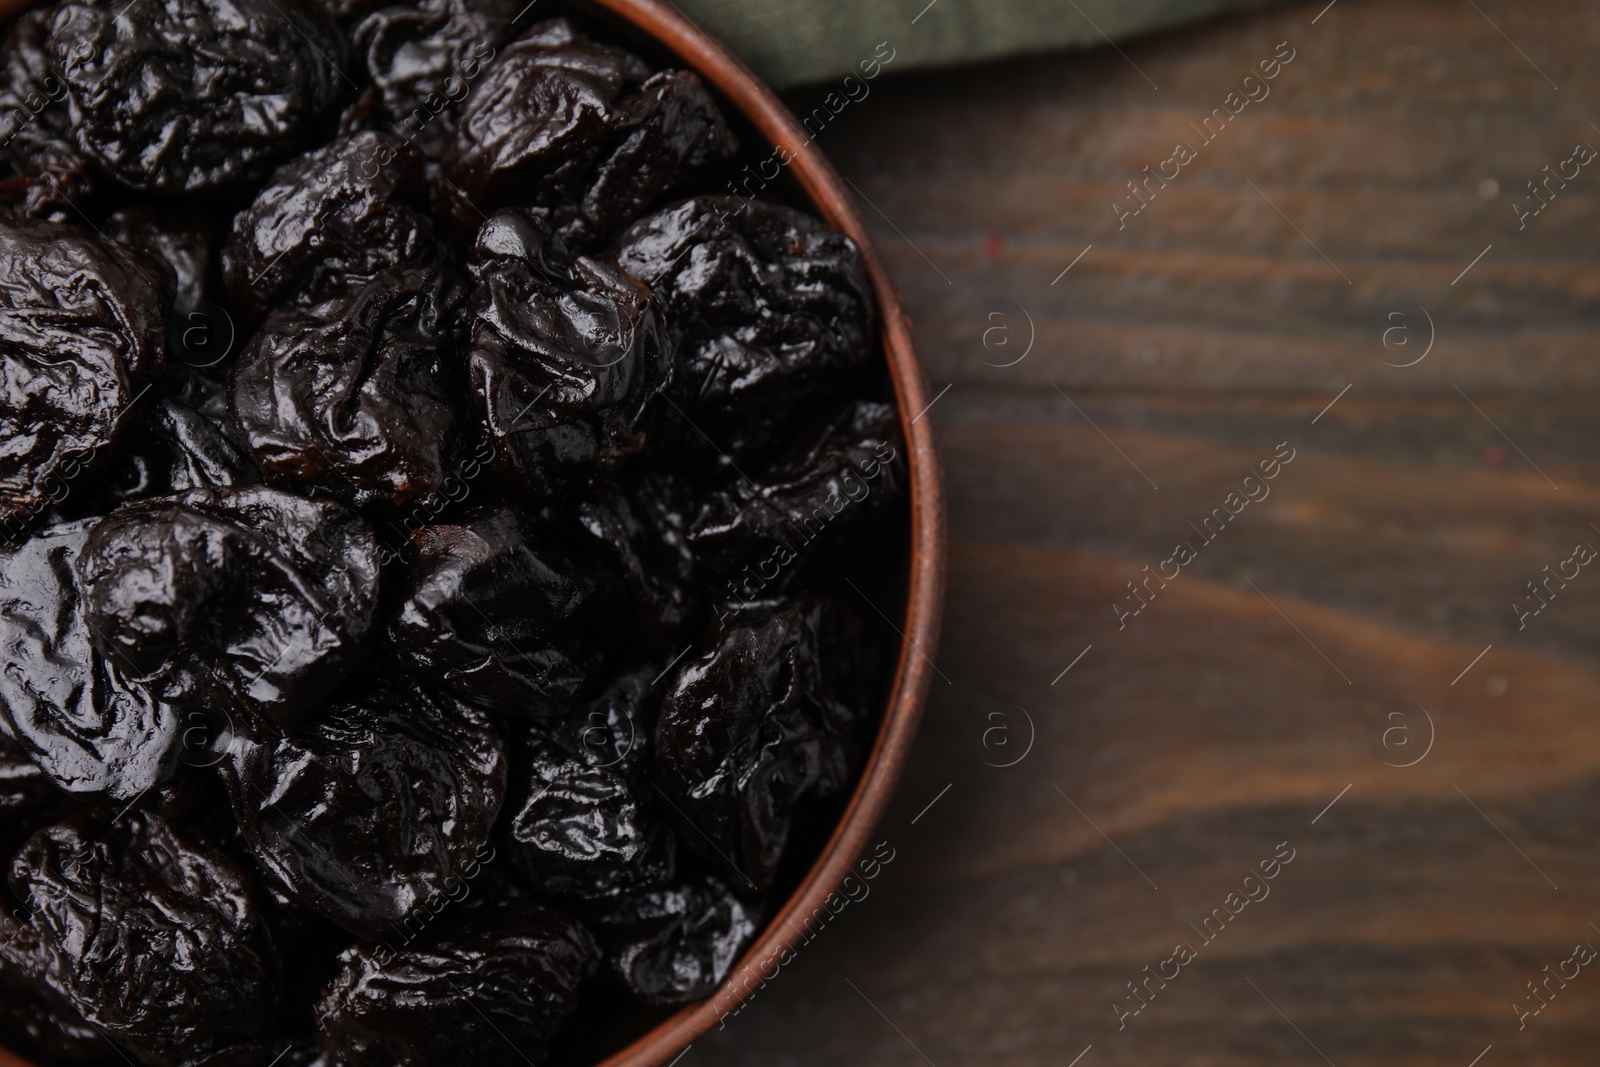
1276	669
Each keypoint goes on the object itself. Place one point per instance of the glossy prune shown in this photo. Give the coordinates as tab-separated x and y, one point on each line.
563	358
172	446
82	330
616	728
580	830
771	712
355	396
680	136
375	806
53	176
758	537
183	240
73	708
189	95
425	58
29	798
42	1018
676	944
507	627
329	222
152	936
490	988
251	601
770	309
194	451
584	131
640	529
541	115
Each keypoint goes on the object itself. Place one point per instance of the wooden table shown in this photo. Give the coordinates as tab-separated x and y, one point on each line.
1359	616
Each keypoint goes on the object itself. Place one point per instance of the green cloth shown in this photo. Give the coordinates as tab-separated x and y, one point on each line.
793	42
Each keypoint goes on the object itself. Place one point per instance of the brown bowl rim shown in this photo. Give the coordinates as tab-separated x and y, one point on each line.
925	597
919	626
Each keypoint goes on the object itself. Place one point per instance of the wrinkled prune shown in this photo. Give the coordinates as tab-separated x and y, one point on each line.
586	128
542	113
188	95
354	396
769	308
29	798
374	807
329	222
507	627
173	447
640	529
154	938
579	830
249	601
770	713
838	479
193	451
43	1018
563	359
425	58
488	989
82	328
183	240
53	176
616	728
72	708
676	944
679	137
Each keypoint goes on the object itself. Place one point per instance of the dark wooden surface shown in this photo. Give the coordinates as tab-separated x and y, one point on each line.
1309	647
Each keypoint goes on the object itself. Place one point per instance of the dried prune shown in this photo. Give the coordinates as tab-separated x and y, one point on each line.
327	222
640	530
194	451
542	114
583	129
184	240
769	713
680	136
374	807
354	396
616	728
758	536
172	447
73	709
82	332
580	830
770	309
187	95
563	359
29	798
677	943
507	627
43	1018
53	176
247	600
153	937
424	59
490	988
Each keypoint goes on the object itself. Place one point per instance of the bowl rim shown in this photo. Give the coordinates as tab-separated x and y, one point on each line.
919	625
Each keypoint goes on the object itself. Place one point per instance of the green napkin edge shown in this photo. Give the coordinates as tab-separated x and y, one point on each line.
800	42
